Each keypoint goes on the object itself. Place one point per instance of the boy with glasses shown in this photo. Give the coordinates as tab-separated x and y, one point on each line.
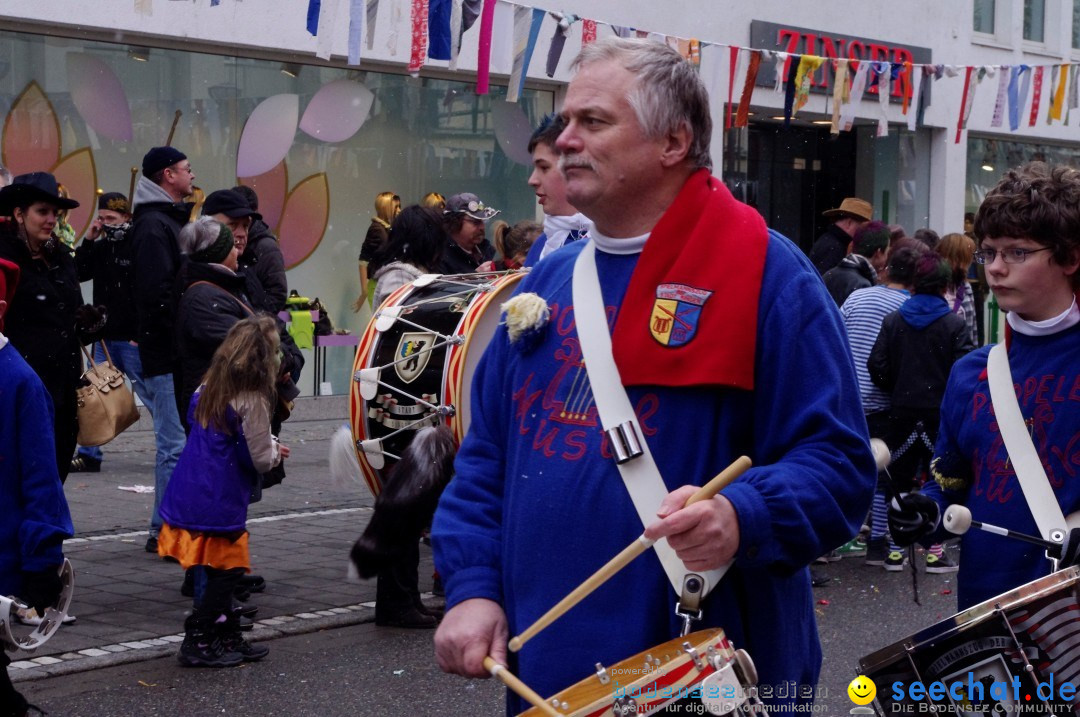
1029	233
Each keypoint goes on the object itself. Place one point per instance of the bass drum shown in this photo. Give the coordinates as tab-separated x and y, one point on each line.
415	363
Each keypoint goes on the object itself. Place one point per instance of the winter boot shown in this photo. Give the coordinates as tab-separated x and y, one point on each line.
233	641
202	645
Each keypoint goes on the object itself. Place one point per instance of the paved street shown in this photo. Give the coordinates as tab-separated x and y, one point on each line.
327	657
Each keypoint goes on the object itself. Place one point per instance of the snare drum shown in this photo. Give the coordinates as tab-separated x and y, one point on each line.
415	363
702	665
1019	638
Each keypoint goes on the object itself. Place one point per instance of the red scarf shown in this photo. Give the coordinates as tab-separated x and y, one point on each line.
689	317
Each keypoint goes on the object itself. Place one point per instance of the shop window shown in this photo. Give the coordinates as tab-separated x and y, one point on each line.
1035	20
983	20
1076	25
988	158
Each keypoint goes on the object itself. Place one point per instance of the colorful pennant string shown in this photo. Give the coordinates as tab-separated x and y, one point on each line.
1004	80
418	18
526	31
588	32
742	118
1036	97
483	60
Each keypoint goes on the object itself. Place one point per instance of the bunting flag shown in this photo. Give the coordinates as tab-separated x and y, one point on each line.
455	32
588	32
623	32
965	105
1036	96
372	13
419	46
733	58
858	87
789	92
743	116
841	93
558	40
917	76
694	54
215	3
357	10
527	23
483	59
804	75
883	70
1059	95
780	61
439	12
144	7
328	14
930	73
1074	95
1004	81
1016	103
312	16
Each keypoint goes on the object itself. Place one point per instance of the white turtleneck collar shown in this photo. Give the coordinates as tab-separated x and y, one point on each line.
3	341
629	245
1065	320
558	228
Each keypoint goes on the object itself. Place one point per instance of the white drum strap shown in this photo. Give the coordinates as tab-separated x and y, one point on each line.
1025	459
637	467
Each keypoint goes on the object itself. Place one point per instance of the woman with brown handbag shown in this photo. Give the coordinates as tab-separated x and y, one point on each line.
47	319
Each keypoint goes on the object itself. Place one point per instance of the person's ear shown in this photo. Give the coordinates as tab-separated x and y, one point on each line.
676	145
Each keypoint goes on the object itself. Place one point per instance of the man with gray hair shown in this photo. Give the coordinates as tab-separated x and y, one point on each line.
713	319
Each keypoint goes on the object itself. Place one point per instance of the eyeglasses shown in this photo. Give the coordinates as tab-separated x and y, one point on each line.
1009	256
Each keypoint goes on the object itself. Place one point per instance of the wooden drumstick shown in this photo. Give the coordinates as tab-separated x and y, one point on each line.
624	558
519	688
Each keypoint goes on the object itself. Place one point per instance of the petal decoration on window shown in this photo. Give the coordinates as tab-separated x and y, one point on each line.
268	135
337	111
78	173
304	221
31	137
271	187
99	96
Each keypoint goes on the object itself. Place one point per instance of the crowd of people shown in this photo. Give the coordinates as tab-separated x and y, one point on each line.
703	335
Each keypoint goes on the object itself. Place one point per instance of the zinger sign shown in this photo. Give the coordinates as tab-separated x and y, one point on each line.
832	46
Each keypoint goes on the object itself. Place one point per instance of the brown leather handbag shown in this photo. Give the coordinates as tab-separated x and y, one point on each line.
106	405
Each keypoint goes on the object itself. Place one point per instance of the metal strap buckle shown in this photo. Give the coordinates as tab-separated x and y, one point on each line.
689	606
625	444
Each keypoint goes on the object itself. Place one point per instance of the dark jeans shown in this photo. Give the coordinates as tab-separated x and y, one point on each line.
214	590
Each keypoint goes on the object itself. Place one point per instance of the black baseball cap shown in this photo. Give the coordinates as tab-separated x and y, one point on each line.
230	203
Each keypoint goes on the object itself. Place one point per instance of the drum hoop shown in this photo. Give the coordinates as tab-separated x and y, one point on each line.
700	640
54	615
972	617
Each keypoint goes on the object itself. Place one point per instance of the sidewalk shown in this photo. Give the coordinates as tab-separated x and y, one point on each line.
128	602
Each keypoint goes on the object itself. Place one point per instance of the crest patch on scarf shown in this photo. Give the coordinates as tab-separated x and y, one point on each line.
676	313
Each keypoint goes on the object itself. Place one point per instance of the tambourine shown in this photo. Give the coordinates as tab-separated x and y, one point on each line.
50	622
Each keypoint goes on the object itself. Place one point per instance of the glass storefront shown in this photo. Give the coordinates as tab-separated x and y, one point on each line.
89	110
792	175
988	158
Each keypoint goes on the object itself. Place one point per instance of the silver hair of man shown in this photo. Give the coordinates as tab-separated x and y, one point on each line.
667	93
199	234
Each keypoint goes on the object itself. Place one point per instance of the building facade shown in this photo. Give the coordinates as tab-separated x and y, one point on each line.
86	86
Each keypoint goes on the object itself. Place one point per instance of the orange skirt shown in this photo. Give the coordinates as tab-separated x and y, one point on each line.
193	547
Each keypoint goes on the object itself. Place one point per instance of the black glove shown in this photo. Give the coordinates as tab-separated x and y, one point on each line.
41	588
1070	549
912	516
89	319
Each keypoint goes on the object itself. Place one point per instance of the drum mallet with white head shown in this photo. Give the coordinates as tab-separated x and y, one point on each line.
958	521
620	561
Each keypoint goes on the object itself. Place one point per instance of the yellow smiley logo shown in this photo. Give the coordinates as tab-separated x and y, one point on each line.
862	690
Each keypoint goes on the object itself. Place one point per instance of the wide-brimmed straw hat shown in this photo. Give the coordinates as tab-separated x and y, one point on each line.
852	207
33	187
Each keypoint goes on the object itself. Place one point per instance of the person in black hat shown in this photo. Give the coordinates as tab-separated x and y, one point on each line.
231	208
47	320
104	256
467	249
263	256
159	214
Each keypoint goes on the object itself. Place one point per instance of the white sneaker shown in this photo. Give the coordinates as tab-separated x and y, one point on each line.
30	617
